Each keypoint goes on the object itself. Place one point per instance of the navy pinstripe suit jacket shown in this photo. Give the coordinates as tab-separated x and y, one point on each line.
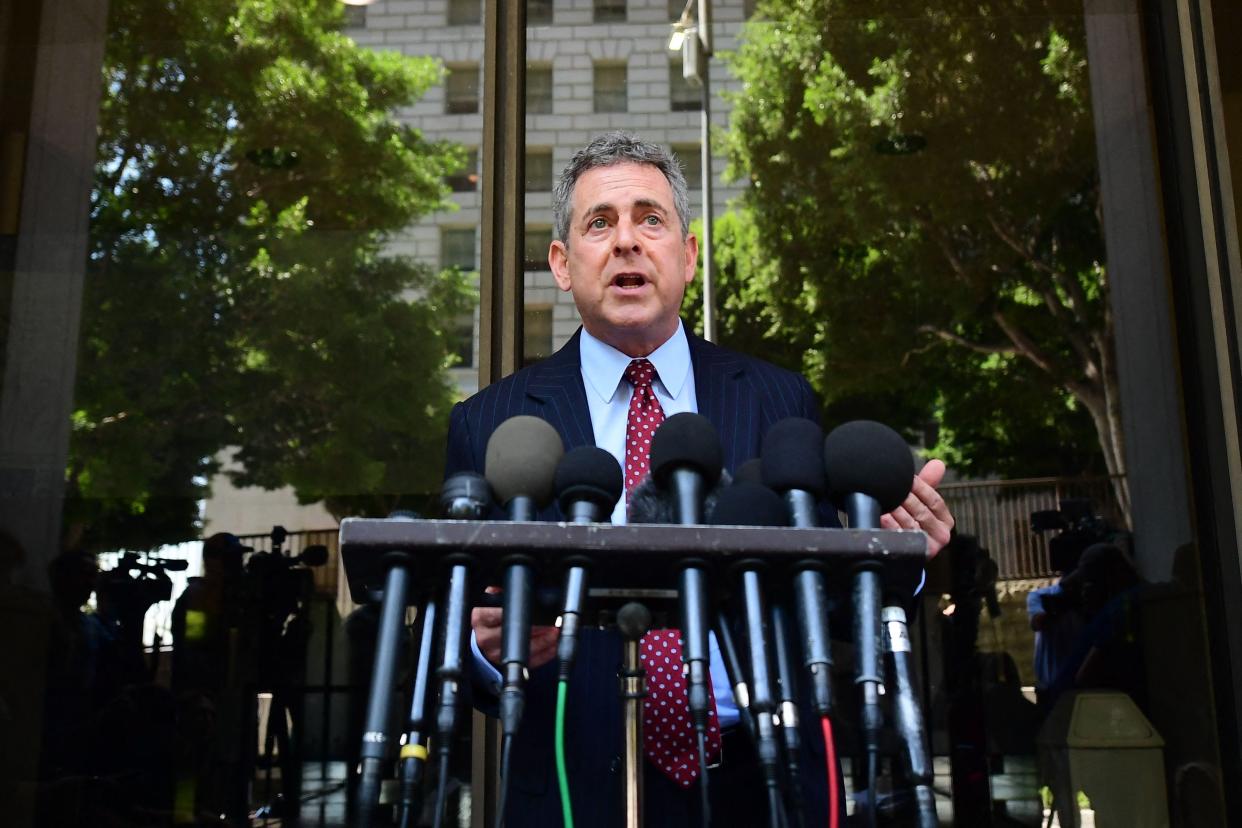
742	397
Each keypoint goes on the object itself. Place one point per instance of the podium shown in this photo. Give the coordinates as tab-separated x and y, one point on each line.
639	561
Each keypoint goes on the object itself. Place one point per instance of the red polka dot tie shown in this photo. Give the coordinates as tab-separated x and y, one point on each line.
644	418
668	732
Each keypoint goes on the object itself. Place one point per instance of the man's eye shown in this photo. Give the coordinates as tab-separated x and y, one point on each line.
598	224
652	219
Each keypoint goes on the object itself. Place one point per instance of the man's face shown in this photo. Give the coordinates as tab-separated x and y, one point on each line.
624	257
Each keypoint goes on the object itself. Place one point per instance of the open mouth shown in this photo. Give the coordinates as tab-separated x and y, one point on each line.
629	281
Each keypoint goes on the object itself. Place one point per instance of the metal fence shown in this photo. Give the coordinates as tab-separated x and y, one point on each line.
998	513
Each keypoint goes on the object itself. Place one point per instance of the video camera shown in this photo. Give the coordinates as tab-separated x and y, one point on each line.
282	582
1077	527
135	583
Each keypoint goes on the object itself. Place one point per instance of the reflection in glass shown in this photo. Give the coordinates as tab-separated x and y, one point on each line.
462	89
539	89
610	87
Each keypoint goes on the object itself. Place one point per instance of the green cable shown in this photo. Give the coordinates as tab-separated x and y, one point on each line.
561	777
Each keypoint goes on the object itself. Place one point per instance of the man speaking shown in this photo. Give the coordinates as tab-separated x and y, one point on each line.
623	248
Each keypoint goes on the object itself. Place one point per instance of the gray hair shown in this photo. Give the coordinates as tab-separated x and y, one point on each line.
618	148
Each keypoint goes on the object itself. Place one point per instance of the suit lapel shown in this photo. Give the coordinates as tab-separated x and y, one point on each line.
726	398
556	388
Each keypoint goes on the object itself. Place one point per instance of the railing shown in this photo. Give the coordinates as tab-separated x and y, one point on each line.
998	513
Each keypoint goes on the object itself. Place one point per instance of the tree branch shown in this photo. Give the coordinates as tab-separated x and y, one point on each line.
958	339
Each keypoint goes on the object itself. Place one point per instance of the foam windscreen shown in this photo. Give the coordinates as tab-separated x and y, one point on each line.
793	458
747	504
869	458
588	473
521	459
686	440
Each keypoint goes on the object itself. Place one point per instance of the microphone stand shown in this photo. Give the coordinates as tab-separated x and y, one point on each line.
788	707
908	716
864	513
633	620
737	679
414	747
687	486
452	670
374	738
763	702
514	644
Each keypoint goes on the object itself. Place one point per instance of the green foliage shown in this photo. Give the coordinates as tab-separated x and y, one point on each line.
920	233
238	292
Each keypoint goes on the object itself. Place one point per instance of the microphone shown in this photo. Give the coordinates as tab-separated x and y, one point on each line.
751	471
908	716
397	583
792	464
520	464
750	504
464	496
588	483
686	460
870	471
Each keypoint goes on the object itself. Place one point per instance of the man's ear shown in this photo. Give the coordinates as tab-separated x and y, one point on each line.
558	260
692	256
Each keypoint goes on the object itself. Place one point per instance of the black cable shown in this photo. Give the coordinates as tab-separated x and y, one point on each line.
704	799
441	789
506	744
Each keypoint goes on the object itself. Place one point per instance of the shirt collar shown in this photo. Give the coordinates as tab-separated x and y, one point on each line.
604	366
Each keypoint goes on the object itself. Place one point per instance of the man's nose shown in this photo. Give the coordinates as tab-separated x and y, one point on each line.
626	239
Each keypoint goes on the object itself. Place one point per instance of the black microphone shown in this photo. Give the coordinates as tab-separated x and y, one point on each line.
397	582
463	496
870	471
685	461
793	465
908	716
750	504
520	465
588	484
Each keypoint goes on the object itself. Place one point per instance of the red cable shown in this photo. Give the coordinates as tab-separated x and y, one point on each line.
830	759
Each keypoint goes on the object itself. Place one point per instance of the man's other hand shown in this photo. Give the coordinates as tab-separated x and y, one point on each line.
924	509
486	624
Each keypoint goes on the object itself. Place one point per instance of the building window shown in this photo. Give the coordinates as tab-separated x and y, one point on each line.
539	89
355	17
462	89
609	11
610	87
682	97
535	248
538	170
461	341
457	247
538	12
536	334
467	179
464	12
691	158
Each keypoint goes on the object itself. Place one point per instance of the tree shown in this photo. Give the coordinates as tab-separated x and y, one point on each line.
238	291
922	221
